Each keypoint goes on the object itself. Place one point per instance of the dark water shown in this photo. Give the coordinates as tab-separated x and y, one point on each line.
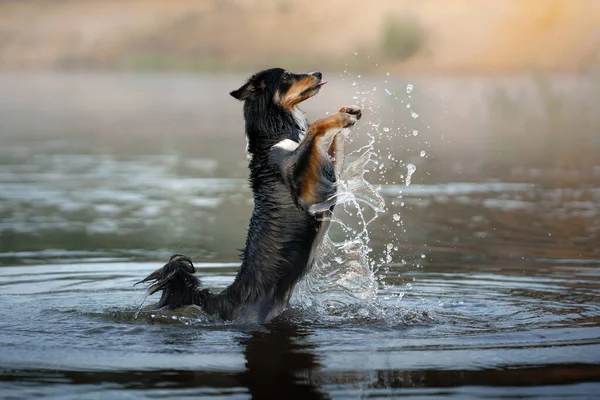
487	267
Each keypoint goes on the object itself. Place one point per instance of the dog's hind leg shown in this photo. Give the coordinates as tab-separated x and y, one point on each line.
313	167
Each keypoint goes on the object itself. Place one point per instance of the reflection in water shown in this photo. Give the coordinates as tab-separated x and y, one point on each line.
71	331
280	364
293	374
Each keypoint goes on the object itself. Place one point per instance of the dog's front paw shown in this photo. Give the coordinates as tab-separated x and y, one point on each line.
352	110
347	120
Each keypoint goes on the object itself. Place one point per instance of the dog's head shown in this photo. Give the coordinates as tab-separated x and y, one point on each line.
282	87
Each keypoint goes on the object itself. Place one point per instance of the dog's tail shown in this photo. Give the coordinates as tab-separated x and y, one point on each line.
180	287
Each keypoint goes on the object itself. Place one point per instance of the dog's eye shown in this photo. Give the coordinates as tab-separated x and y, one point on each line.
286	77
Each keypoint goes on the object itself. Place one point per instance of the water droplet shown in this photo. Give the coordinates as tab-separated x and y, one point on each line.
422	255
415	132
411	170
409	286
396	217
390	246
422	154
387	73
388	258
356	53
374	88
414	115
407	105
386	129
388	92
353	83
409	88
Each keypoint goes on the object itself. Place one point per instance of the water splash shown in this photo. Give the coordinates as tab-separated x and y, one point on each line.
410	170
347	271
342	274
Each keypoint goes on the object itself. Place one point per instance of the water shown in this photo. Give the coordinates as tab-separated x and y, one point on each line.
487	268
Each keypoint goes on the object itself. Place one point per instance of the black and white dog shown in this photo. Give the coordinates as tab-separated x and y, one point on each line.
293	168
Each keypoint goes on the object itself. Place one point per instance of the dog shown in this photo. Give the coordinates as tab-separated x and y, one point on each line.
294	167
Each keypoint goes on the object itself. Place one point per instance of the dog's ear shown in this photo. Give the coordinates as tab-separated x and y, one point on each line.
242	93
248	89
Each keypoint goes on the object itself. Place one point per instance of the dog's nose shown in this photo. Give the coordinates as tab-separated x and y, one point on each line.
318	75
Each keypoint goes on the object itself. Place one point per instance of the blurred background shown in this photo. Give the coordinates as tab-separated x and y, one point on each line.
119	139
431	36
120	145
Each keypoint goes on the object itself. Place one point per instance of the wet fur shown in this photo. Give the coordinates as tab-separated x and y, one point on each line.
292	168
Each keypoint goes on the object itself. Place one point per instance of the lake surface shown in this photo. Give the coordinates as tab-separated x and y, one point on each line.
478	279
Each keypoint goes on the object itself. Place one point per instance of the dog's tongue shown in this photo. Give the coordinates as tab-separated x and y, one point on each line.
321	83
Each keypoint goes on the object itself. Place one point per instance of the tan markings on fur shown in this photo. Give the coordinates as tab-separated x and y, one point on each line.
323	134
308	190
298	92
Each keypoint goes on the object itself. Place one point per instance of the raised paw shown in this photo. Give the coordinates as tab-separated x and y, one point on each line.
347	120
352	110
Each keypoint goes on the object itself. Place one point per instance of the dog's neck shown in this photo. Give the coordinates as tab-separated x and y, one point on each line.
270	125
300	119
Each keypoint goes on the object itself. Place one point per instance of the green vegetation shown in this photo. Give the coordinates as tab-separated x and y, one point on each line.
403	37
